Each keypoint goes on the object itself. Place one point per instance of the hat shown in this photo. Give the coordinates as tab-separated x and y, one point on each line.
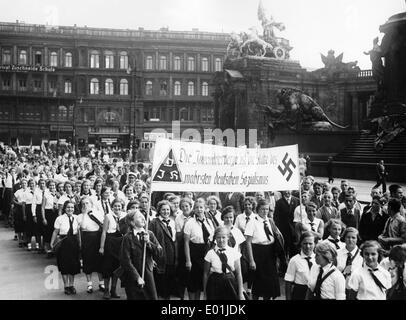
132	174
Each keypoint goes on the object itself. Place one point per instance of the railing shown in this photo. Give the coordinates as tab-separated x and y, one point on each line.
105	32
364	74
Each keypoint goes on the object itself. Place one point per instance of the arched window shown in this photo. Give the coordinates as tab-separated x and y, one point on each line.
38	58
218	65
123	87
163	91
68	86
68	60
94	86
177	88
109	87
148	63
123	60
162	63
53	61
148	88
205	64
108	60
190	88
94	59
7	56
22	57
191	64
176	63
205	89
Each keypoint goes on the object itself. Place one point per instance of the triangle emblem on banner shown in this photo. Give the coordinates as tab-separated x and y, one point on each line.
168	171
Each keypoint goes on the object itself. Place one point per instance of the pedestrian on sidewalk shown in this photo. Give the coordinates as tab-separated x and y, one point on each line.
330	170
381	175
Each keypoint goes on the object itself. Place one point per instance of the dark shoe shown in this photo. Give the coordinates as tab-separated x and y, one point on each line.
106	295
15	238
102	288
114	294
67	290
72	290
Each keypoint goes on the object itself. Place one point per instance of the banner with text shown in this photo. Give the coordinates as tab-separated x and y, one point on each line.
192	166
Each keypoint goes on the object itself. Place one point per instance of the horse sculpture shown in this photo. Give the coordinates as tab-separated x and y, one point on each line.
234	47
254	44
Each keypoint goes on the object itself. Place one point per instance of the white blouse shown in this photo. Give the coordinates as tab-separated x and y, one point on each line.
255	229
62	223
193	228
87	224
215	263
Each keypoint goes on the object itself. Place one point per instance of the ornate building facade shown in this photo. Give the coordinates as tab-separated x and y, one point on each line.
104	86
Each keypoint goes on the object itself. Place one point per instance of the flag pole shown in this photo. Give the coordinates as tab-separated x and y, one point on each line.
300	187
144	254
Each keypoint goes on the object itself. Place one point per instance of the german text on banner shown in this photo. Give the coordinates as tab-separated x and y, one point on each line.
192	166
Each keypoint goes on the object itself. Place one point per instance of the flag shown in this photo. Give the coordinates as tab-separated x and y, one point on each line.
30	145
44	150
17	144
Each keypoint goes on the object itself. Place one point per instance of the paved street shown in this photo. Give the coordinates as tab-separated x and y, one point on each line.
23	277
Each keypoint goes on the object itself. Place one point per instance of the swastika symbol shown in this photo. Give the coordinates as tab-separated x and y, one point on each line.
287	168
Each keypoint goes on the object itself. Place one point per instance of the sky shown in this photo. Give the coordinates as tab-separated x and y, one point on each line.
312	26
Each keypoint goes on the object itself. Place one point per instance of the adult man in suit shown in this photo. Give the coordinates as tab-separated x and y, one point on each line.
317	196
381	175
350	215
235	199
283	217
131	259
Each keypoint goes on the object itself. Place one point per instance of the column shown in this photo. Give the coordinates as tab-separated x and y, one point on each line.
354	111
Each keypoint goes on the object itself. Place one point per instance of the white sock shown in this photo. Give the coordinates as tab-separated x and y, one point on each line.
101	282
89	283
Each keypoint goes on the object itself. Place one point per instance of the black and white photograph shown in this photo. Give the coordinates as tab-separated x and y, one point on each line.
205	150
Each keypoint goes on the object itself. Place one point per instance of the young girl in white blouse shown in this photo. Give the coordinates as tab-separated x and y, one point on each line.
235	238
297	274
214	208
325	281
19	216
222	278
334	228
198	234
311	224
349	258
371	281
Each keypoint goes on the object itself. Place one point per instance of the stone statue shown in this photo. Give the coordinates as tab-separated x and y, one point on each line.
335	64
234	47
254	45
375	54
268	24
299	110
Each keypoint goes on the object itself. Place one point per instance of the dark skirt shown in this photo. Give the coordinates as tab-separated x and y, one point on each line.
30	225
19	224
197	253
222	286
48	230
182	274
68	256
166	282
39	226
110	260
8	196
266	281
299	291
92	259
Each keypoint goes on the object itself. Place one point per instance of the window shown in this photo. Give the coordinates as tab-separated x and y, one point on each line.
177	88
22	84
94	59
38	58
218	65
162	63
148	63
94	86
68	86
123	60
54	59
6	84
22	57
191	64
210	114
109	87
163	91
52	86
184	114
108	60
6	57
68	60
148	88
62	113
176	63
123	87
205	89
37	85
190	88
205	64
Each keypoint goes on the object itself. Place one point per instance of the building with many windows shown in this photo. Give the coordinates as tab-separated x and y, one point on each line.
104	86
